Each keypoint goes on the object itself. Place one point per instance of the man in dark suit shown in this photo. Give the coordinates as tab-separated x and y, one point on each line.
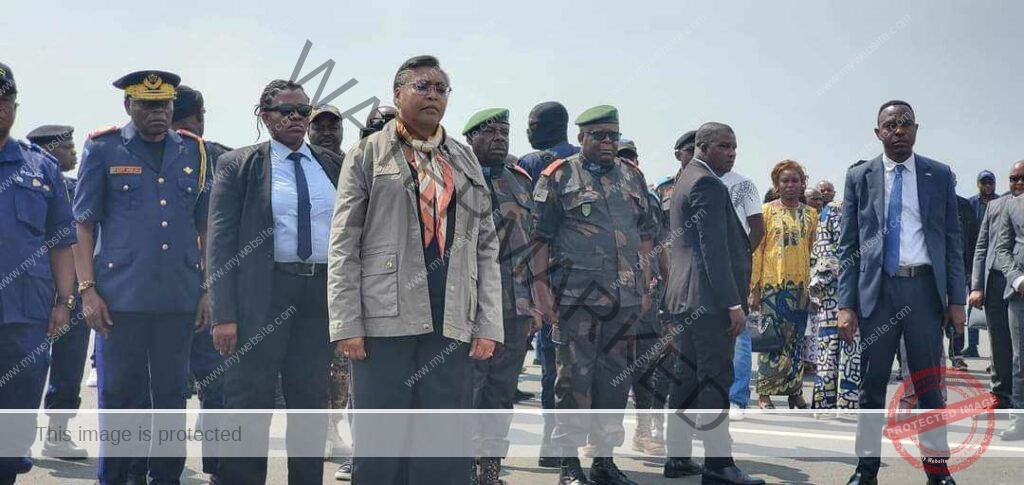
1009	258
270	215
900	249
988	290
709	276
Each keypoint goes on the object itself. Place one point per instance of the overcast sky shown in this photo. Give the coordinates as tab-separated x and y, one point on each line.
800	80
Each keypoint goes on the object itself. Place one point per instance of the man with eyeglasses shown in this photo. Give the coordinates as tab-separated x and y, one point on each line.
988	291
37	268
592	224
141	201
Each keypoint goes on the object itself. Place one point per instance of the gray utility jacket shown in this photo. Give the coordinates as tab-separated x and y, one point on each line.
377	276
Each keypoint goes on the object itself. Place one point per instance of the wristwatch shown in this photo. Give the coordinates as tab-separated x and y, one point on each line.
68	302
85	285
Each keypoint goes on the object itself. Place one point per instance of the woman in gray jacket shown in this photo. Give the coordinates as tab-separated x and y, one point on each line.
413	284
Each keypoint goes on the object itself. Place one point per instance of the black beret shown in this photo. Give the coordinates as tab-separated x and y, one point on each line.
688	137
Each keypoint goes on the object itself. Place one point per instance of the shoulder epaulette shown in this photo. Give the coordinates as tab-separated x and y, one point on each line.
184	132
520	171
552	167
104	131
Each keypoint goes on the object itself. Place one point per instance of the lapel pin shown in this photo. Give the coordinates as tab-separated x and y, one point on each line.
187	170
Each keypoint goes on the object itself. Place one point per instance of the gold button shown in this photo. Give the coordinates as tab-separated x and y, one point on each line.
125	188
165	247
163	201
163	224
110	265
160	180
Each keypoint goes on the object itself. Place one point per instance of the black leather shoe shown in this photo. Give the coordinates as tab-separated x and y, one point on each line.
861	478
730	475
549	462
1014	433
946	480
681	467
523	396
604	472
572	473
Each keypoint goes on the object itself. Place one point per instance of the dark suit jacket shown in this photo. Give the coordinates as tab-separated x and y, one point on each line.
240	238
861	240
710	265
1009	245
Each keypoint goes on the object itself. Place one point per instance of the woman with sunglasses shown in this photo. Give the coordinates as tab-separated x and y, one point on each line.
414	286
270	213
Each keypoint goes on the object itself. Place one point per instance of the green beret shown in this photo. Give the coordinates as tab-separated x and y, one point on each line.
598	114
487	116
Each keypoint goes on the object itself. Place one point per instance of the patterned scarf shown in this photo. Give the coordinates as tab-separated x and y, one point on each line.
436	181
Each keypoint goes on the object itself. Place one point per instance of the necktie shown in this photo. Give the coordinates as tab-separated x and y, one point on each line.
305	248
894	223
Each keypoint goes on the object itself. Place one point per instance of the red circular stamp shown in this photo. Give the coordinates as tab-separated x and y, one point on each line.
966	398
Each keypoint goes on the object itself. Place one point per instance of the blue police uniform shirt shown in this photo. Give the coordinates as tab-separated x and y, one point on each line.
35	218
148	215
535	162
284	201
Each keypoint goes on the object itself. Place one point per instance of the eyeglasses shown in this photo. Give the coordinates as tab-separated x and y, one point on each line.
423	87
303	110
605	135
1016	179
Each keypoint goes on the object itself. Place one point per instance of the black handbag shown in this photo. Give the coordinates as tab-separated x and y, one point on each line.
765	335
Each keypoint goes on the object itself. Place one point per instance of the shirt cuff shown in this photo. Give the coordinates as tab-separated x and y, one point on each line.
1016	282
737	307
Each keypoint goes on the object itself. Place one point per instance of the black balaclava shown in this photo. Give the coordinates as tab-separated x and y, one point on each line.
552	125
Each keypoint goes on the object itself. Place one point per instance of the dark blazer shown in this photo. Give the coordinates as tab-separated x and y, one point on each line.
710	265
862	236
240	233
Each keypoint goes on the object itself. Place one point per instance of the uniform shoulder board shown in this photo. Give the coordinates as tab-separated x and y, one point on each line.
520	171
189	134
104	131
552	167
630	163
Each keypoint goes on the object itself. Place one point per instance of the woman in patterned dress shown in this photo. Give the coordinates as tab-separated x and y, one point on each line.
778	284
838	363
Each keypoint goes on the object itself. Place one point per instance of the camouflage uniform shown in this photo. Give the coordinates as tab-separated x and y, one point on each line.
593	221
495	379
338	396
650	387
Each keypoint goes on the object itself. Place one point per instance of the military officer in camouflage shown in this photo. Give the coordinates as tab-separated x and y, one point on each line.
495	379
594	230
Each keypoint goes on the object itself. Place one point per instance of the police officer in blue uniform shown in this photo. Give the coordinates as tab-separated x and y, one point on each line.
190	115
141	187
37	277
68	353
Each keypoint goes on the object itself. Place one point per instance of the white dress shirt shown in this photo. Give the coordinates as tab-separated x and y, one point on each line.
913	250
284	203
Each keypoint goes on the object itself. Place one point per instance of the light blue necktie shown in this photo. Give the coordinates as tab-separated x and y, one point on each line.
894	223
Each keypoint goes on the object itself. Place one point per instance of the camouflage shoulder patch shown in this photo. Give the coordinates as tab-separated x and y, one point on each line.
554	166
520	171
104	131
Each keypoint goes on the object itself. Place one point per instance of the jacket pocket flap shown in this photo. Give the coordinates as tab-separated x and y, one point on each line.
114	258
380	263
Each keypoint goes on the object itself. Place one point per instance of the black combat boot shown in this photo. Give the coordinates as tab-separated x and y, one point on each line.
604	472
572	473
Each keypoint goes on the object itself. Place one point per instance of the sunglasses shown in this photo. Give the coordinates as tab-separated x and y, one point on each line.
605	135
303	110
1016	179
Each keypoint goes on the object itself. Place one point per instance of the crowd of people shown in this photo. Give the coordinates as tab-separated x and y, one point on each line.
179	252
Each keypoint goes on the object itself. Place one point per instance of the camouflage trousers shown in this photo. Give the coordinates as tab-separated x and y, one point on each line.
494	387
337	397
650	387
591	347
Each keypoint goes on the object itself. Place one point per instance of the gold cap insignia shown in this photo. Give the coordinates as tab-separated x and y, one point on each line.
152	81
36	183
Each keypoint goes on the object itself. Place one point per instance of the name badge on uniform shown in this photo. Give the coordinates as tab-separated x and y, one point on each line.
125	170
541	195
